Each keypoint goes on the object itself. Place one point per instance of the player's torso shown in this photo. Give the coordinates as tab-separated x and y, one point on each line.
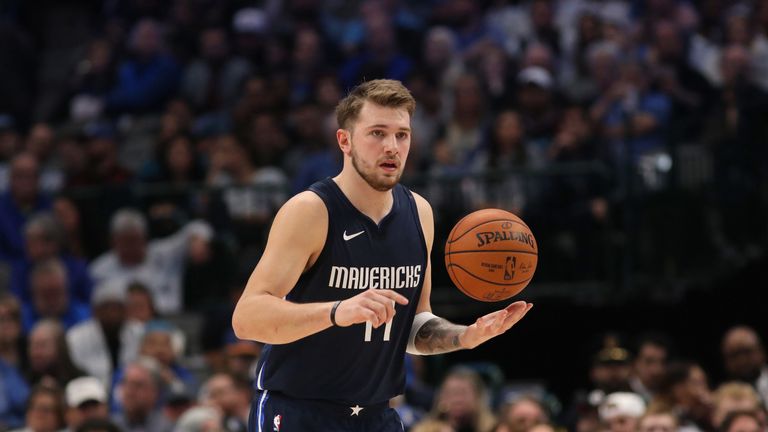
358	363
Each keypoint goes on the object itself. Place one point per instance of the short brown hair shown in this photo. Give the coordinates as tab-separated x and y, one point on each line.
384	92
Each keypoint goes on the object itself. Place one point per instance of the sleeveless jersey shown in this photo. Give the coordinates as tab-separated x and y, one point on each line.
356	364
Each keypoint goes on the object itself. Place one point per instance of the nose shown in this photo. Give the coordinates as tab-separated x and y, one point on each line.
390	145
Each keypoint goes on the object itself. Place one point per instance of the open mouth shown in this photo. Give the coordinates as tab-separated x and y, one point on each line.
388	166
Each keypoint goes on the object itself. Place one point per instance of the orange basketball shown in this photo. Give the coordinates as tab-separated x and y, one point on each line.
491	255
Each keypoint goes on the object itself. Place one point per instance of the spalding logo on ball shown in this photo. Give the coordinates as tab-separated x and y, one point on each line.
491	255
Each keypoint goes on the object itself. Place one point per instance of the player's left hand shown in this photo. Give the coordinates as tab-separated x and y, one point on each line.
493	324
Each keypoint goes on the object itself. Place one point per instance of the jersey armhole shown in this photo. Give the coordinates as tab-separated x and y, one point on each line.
415	214
329	231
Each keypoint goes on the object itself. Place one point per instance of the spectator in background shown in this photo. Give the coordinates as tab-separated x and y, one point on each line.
13	342
735	396
221	392
49	360
139	392
139	304
199	419
742	421
685	391
213	81
649	365
67	214
633	115
45	410
107	341
94	76
176	170
537	104
657	421
687	89
160	343
13	396
463	402
735	130
521	414
158	264
22	200
40	144
102	167
381	57
460	149
10	143
98	425
252	194
86	399
621	412
744	359
43	241
432	425
50	297
147	79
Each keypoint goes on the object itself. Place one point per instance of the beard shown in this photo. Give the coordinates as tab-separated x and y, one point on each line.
377	182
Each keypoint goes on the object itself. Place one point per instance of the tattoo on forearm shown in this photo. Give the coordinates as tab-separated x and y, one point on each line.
438	336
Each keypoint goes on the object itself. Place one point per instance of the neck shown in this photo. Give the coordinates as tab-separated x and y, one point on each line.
371	202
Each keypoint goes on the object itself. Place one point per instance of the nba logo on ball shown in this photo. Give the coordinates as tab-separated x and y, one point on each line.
491	255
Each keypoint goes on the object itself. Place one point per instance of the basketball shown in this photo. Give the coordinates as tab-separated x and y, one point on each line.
491	255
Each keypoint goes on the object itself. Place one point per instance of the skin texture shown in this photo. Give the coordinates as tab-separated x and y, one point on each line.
375	148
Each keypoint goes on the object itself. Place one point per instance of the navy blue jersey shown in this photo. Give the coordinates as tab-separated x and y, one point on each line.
356	364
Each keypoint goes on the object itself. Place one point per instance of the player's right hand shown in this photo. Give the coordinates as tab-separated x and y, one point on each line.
376	306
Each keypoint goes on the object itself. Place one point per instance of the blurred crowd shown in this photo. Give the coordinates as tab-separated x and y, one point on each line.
138	190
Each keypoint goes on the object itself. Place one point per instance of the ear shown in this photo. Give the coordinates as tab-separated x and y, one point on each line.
343	137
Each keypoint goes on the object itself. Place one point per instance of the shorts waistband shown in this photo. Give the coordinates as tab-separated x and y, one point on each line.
336	409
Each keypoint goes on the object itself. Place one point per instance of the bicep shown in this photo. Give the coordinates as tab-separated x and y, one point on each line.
291	247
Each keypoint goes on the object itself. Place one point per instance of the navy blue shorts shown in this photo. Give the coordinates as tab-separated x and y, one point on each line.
274	412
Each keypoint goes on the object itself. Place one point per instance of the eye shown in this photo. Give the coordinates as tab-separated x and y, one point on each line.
377	133
402	135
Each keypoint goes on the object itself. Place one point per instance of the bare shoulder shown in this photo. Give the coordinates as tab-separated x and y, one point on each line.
425	209
303	215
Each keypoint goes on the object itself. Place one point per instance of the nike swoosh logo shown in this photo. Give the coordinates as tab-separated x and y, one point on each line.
351	236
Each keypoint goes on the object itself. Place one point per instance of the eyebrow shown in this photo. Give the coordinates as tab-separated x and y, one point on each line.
383	126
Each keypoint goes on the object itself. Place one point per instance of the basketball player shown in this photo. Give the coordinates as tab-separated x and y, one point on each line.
342	289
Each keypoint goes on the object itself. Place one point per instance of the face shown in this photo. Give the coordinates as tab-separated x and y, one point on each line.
180	156
378	144
458	398
111	314
745	424
37	245
129	246
649	365
657	423
523	415
49	294
24	178
611	377
10	325
43	413
742	354
75	416
66	213
139	306
40	140
509	128
159	346
622	423
223	394
139	391
42	348
728	405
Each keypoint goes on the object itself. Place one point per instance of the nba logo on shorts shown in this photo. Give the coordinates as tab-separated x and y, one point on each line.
276	422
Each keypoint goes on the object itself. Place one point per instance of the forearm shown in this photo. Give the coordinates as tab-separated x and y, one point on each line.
269	319
438	336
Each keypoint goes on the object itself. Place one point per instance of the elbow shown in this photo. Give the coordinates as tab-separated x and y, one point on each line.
244	328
